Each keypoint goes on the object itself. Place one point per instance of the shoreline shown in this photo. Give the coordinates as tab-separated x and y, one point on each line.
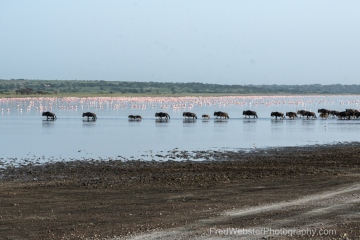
315	186
176	155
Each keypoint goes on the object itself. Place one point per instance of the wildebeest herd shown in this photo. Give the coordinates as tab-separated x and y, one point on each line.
323	113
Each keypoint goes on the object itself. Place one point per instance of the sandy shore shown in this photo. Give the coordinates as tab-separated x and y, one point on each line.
280	193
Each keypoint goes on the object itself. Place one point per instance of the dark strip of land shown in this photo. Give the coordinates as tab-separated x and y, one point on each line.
86	88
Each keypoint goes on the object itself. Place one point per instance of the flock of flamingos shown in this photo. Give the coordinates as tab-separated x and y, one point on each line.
185	104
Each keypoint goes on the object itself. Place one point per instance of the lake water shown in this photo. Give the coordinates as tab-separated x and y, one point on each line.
27	136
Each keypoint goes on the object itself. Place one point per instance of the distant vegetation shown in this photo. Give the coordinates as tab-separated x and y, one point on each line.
23	87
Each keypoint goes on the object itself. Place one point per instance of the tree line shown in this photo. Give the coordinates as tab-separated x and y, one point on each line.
54	87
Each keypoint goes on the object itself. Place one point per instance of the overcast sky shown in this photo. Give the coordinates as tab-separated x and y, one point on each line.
227	42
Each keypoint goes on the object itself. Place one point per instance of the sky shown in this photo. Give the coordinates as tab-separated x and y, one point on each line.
223	42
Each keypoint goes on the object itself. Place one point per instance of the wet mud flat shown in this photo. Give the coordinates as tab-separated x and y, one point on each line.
314	187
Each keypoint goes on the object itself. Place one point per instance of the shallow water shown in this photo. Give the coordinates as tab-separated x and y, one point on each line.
27	136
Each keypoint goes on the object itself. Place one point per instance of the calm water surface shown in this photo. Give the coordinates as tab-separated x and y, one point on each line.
25	135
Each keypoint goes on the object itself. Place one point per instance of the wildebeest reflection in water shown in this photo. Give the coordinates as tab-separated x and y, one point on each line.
49	115
90	115
189	120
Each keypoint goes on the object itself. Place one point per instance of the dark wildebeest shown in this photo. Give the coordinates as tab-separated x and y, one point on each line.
301	112
291	115
277	114
135	117
205	116
189	115
333	113
250	113
357	114
90	115
50	115
162	114
221	114
323	110
344	115
353	112
309	114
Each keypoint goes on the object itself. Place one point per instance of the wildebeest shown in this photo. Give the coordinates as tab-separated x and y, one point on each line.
353	112
136	117
50	115
308	114
205	116
250	113
221	114
277	114
344	115
357	114
90	115
189	115
301	112
323	110
291	115
333	113
162	114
